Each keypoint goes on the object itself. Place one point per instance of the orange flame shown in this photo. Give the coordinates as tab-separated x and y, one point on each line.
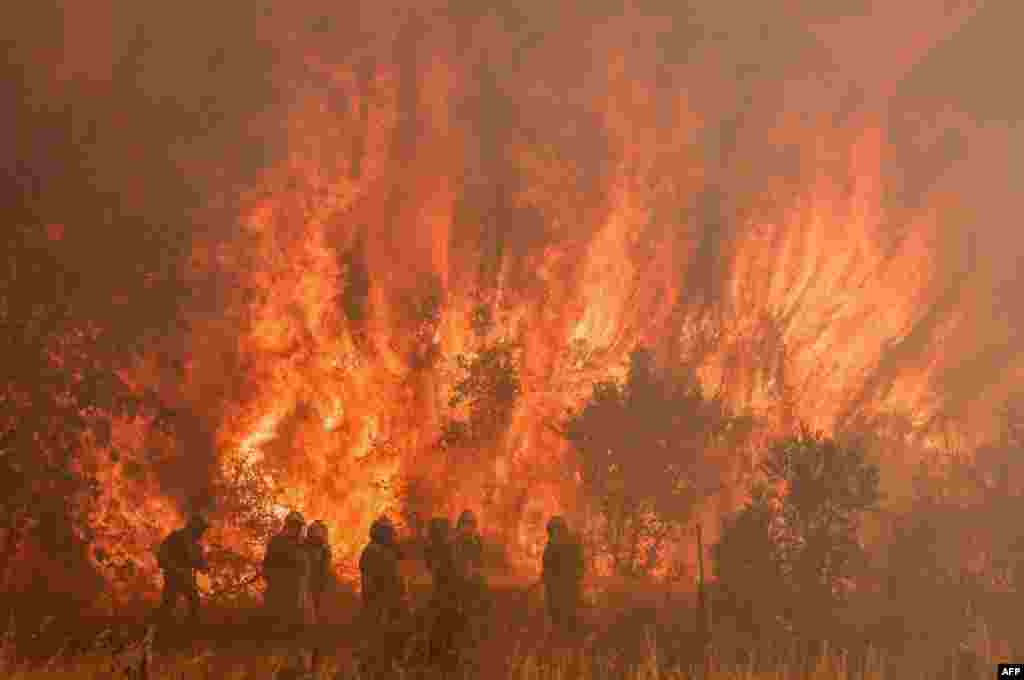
336	407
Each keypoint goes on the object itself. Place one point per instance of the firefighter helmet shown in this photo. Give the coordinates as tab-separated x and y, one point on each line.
382	530
467	519
557	524
318	530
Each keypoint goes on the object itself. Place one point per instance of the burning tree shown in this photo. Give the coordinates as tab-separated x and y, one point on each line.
642	455
749	566
483	399
349	204
98	220
798	537
488	390
65	352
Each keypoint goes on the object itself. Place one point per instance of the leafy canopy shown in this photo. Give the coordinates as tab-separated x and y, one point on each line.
641	451
798	537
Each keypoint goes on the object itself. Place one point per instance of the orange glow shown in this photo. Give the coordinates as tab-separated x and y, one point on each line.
351	294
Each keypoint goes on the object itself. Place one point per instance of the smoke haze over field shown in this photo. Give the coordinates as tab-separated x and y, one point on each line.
816	204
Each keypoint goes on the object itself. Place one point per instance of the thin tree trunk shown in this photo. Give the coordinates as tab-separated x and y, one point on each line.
634	542
703	635
10	548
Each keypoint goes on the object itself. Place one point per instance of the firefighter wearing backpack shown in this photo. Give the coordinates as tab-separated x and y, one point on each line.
287	569
319	548
469	561
180	556
562	575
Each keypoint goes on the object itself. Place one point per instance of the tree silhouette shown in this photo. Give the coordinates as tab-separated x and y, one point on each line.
86	283
640	449
487	390
800	530
748	566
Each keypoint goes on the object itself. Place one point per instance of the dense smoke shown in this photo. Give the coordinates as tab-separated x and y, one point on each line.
811	203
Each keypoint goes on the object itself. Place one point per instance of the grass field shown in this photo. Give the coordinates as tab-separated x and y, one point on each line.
636	643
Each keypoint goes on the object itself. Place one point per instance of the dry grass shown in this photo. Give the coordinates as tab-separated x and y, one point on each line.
517	649
575	664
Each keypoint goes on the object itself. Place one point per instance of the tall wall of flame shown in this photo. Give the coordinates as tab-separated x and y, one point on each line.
736	193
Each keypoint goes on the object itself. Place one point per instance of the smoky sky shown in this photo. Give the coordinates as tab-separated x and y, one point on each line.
121	111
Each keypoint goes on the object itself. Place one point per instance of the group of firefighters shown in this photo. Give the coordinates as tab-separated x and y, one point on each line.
297	571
